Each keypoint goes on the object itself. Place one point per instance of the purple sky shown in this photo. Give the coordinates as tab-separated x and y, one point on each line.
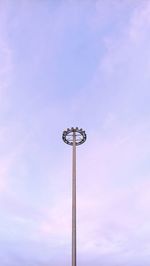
70	63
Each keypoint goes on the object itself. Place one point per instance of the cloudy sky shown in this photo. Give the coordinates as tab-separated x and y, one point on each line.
79	63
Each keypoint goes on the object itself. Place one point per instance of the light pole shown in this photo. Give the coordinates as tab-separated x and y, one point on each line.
74	137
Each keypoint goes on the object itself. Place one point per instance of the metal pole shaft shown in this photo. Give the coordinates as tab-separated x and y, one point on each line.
74	201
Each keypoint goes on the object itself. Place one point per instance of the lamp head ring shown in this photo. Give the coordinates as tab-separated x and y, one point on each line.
80	135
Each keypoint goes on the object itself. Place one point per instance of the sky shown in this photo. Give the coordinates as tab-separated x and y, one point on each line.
67	63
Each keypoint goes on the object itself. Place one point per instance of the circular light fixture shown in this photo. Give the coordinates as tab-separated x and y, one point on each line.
80	135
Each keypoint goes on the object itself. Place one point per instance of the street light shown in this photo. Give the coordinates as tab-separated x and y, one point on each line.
74	137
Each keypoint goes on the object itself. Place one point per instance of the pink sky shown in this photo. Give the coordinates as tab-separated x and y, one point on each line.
74	63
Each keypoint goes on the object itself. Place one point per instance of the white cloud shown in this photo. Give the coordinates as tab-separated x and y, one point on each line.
131	44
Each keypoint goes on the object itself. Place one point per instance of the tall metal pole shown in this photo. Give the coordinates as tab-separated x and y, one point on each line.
74	200
74	137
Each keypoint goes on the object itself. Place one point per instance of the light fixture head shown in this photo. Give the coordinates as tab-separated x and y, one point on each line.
80	135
